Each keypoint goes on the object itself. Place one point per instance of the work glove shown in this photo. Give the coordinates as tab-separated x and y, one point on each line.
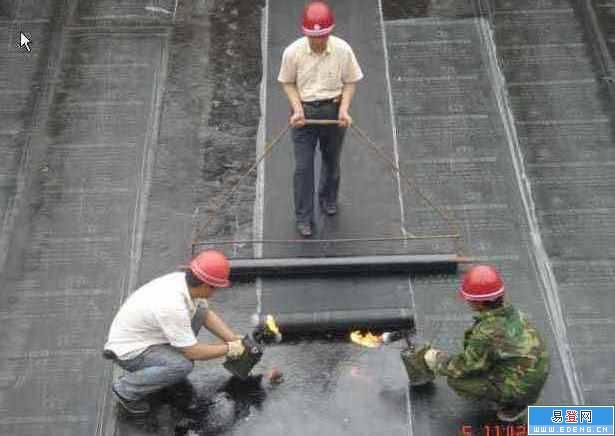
431	358
235	349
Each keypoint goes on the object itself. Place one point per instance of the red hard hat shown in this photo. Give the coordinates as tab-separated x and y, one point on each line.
318	19
212	267
482	283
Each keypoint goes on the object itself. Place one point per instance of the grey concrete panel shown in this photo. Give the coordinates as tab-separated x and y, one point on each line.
19	67
568	159
397	10
605	13
434	60
537	101
73	235
64	169
574	275
442	97
28	9
585	185
599	384
512	5
7	9
578	233
442	137
105	49
425	32
567	141
494	221
456	181
557	61
140	11
538	27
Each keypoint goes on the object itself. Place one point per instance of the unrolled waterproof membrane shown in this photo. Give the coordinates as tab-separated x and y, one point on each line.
102	114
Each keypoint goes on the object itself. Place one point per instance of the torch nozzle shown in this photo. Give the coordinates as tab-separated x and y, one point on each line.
390	337
268	332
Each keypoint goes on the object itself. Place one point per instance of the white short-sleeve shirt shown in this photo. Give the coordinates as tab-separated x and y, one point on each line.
159	312
319	76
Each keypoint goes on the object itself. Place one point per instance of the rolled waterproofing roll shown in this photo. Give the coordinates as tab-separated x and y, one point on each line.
302	266
339	321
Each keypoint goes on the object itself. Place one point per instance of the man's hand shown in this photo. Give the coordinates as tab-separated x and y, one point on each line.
344	118
235	349
431	358
297	119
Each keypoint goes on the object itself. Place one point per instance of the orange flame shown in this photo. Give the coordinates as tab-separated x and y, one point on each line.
368	340
271	325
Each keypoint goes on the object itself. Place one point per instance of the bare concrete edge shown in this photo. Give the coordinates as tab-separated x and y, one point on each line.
261	139
387	73
107	421
540	258
393	125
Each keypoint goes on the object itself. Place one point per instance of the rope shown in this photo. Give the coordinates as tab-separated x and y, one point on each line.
412	185
380	153
268	147
323	241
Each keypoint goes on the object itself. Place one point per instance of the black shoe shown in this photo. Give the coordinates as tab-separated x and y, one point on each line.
304	230
135	407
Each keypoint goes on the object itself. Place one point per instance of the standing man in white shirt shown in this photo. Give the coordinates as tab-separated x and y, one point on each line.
318	73
153	335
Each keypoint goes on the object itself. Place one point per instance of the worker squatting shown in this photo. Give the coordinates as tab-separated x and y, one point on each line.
153	337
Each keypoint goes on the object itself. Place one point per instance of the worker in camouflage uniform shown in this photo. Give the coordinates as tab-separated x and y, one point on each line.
504	360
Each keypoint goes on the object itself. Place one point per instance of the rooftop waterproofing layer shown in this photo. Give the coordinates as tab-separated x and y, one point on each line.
127	120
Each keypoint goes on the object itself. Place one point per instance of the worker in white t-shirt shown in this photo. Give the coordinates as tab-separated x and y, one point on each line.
153	335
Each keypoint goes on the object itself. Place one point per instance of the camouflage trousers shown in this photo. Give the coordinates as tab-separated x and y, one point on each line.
475	388
482	389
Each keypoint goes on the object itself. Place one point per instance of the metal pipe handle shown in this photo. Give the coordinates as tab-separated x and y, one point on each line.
321	122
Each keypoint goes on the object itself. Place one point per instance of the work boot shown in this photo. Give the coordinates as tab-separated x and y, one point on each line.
135	407
304	229
511	414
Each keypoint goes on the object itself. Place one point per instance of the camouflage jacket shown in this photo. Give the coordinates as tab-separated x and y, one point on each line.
503	347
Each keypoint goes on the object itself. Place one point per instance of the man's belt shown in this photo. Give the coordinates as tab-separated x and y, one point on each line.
334	100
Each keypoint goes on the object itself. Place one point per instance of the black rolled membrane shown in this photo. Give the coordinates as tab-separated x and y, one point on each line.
306	266
338	323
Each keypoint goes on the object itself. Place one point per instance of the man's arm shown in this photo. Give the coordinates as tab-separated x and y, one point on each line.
351	74
297	118
476	357
288	78
347	94
214	324
204	351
